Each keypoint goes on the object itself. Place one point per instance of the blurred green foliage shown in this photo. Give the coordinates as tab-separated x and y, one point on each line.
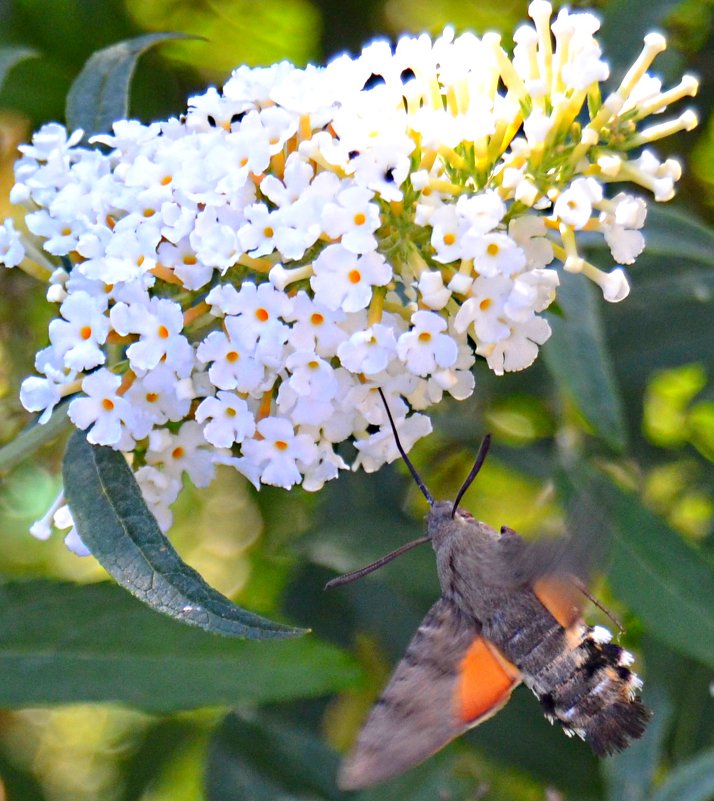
638	401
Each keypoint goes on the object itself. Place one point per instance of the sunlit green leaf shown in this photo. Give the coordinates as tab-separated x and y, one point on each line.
693	781
238	31
100	94
578	358
62	643
116	525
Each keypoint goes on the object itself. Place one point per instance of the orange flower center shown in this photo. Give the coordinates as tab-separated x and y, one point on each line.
262	315
281	445
232	356
152	397
108	404
85	331
354	276
492	249
425	336
485	304
360	218
449	239
163	332
178	452
316	318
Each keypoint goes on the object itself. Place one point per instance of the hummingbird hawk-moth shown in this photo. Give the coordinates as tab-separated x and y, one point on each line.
504	617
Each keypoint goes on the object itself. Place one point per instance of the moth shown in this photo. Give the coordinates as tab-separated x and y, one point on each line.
506	616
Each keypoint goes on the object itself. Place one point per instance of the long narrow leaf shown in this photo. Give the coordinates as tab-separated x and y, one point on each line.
33	437
577	357
693	781
117	527
68	643
100	94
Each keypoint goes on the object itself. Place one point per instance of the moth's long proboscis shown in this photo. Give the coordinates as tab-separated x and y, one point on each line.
422	486
338	581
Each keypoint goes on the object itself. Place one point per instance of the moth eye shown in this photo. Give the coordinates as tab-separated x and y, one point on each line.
463	513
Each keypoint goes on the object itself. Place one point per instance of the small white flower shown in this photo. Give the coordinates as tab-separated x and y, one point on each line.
315	327
232	360
187	451
12	251
425	348
110	418
432	290
230	419
159	490
344	280
353	219
493	254
311	376
485	309
368	351
520	349
482	212
159	325
380	448
77	339
281	453
156	394
574	206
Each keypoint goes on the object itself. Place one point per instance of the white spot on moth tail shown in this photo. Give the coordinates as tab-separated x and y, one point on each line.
626	658
601	635
634	685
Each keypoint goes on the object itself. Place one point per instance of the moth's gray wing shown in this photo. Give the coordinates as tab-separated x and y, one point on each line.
425	705
580	552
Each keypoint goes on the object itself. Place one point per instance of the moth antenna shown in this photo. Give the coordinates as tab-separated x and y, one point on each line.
338	581
478	464
601	606
402	453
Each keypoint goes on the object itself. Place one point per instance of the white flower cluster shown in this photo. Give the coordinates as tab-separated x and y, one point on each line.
233	286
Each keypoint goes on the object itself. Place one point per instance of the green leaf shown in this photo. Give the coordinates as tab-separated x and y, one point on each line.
260	759
115	524
100	94
10	55
673	234
692	781
629	774
33	437
67	643
264	757
578	359
668	319
665	581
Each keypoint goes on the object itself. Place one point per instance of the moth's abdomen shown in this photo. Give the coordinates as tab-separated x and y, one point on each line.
592	692
582	680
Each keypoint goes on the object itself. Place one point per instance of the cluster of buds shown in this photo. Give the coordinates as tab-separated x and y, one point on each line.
233	286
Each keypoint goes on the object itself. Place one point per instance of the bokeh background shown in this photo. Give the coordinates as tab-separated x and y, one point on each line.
652	431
